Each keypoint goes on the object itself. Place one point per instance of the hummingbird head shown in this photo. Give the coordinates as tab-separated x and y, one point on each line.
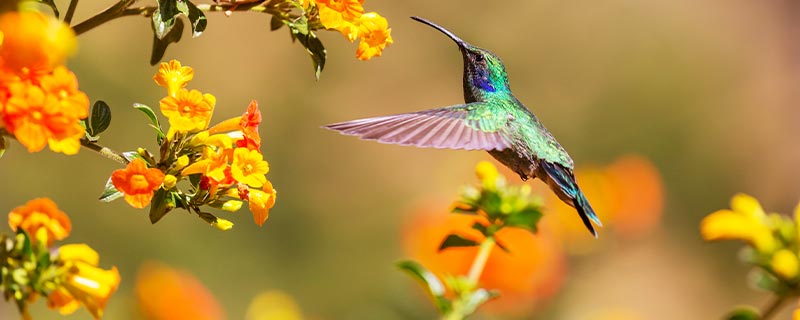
483	70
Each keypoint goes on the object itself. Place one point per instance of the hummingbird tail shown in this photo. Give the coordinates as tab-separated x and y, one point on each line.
562	181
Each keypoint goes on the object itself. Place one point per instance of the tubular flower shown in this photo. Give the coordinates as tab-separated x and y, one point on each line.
375	35
173	76
188	110
165	293
249	167
34	43
339	14
37	118
137	182
41	213
261	201
63	85
746	221
249	125
83	282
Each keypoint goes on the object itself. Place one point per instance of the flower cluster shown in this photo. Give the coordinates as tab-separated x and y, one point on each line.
223	164
349	18
40	103
68	275
773	243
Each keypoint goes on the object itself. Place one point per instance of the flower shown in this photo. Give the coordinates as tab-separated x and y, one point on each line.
83	282
249	167
271	305
340	15
41	213
784	262
37	118
248	124
260	201
173	76
533	269
137	182
34	43
164	293
375	35
188	110
746	221
63	85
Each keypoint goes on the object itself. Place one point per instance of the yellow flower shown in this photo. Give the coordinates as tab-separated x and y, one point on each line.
34	43
487	173
169	181
188	110
223	224
41	213
375	35
271	305
784	262
249	167
747	221
261	201
333	13
173	76
83	282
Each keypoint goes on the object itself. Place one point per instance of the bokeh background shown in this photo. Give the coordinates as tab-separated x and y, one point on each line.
703	92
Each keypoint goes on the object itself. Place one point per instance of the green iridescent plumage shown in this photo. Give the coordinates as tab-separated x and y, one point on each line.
492	119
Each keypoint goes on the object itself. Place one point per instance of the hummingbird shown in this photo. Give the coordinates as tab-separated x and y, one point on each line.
491	119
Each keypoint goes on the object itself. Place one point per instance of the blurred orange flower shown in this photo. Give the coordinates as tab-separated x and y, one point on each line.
375	35
63	85
260	201
137	182
41	213
34	43
249	167
165	293
188	110
532	271
84	282
173	76
36	118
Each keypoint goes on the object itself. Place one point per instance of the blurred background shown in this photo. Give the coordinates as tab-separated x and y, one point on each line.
667	107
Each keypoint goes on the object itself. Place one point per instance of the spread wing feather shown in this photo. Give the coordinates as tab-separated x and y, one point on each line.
454	127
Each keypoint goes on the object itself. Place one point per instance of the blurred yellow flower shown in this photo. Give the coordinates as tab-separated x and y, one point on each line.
165	293
273	305
487	173
747	221
34	43
188	111
223	224
785	264
40	213
249	167
375	35
173	76
83	282
260	201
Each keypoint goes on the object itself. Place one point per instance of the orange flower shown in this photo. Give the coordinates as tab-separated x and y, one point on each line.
188	110
63	85
34	43
533	270
249	167
164	293
173	76
84	283
37	118
40	213
335	13
260	201
375	35
137	182
249	125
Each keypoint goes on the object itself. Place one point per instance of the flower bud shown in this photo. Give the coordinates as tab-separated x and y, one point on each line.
170	181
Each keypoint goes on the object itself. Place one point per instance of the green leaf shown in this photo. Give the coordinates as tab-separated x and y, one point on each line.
527	218
430	282
275	23
765	280
312	44
454	240
161	204
151	115
110	193
163	37
100	118
743	313
131	155
52	5
464	207
207	217
166	12
197	18
2	146
478	298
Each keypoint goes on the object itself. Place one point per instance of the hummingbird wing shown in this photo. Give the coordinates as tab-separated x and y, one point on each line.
469	126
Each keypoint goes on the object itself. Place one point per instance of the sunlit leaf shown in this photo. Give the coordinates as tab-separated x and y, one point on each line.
525	219
455	240
197	18
163	38
743	313
478	298
312	44
151	115
100	118
430	281
110	193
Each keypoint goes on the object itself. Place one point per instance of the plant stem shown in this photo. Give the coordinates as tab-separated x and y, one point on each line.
103	151
73	4
480	260
104	16
774	305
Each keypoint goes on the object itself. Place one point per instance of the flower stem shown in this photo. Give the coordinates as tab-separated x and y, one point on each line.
73	4
103	151
480	260
774	305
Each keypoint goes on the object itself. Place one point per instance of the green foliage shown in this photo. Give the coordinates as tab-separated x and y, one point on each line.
743	313
99	119
151	115
301	32
430	282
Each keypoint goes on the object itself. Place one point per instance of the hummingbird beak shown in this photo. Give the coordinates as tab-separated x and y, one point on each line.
461	43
